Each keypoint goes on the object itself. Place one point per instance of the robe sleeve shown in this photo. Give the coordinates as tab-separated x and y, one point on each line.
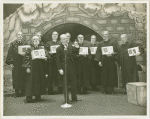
58	62
98	56
9	58
26	59
75	51
116	50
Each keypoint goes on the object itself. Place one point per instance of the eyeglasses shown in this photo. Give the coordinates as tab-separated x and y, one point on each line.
80	37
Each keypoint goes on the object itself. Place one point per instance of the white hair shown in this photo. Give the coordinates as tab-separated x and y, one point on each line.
93	35
62	36
123	35
35	37
55	32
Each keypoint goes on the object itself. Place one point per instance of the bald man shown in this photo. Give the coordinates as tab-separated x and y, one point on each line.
15	60
71	53
53	77
107	62
129	71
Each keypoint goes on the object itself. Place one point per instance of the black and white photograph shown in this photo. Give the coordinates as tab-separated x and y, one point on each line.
72	59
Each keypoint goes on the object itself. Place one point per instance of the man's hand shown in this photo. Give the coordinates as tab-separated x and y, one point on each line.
138	53
61	72
109	55
28	70
100	63
12	66
50	52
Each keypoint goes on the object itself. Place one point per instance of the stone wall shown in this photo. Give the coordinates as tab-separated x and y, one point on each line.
72	14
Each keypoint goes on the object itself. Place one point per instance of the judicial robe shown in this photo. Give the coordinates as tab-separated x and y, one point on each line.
83	68
129	69
71	54
18	72
35	82
53	72
93	67
109	69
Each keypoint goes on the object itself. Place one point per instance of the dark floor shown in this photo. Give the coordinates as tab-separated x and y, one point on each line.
94	103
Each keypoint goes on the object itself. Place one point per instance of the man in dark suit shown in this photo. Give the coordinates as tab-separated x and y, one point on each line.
70	52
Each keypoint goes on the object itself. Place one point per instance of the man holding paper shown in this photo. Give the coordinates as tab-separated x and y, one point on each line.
53	73
33	62
70	52
83	65
15	60
107	56
93	64
129	71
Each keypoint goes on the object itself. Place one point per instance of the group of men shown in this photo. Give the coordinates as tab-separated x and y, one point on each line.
34	77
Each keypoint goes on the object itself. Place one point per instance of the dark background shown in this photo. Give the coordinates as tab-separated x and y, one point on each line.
74	29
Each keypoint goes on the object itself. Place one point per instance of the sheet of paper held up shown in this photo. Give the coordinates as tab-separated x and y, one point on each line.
53	48
83	51
22	49
107	50
93	50
133	51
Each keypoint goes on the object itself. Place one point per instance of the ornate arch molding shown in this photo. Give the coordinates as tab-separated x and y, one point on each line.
70	19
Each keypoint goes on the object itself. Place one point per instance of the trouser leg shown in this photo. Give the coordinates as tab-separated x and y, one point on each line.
111	88
105	89
28	99
16	93
38	97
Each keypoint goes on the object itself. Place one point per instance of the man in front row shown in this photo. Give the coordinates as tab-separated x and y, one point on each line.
71	53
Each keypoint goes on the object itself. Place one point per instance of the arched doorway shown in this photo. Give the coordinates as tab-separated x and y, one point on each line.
74	29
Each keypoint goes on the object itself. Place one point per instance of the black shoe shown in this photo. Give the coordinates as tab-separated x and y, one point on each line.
74	101
105	93
16	95
28	101
85	92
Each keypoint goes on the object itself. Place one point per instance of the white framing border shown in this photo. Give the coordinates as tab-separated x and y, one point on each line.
93	117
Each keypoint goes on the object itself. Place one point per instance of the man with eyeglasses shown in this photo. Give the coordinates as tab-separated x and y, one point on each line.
107	61
53	73
83	67
15	60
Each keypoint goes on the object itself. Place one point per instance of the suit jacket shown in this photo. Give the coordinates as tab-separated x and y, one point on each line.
71	54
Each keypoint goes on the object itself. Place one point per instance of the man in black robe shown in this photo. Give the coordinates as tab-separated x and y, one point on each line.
70	52
35	82
53	76
45	62
93	64
15	60
129	68
83	67
109	69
